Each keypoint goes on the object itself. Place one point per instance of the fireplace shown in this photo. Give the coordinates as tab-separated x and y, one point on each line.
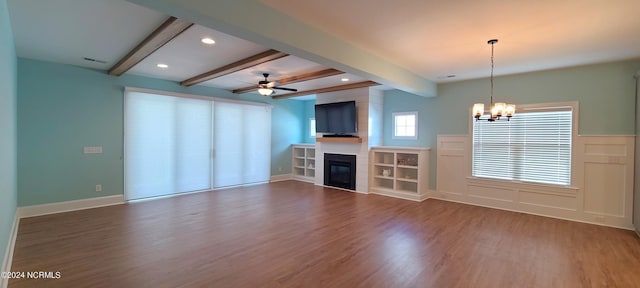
340	170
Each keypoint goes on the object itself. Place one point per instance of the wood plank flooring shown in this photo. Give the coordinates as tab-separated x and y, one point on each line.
294	234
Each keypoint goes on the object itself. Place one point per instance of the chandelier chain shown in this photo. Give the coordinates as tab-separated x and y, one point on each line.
491	94
496	110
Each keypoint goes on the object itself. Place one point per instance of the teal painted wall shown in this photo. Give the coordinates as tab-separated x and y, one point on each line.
8	133
605	93
309	112
62	108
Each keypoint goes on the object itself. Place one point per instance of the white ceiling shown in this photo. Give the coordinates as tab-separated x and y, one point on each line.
65	31
187	56
432	38
435	38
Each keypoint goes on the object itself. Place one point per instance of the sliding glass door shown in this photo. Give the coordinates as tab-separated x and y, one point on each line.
180	144
242	144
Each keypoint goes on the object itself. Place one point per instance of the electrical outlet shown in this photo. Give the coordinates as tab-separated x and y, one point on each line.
99	188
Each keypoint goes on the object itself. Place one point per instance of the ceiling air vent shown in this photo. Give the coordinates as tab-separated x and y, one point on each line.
95	60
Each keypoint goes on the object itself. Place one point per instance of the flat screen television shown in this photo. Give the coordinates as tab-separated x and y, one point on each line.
336	118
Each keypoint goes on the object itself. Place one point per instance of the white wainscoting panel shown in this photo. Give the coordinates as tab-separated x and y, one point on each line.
601	193
453	166
608	168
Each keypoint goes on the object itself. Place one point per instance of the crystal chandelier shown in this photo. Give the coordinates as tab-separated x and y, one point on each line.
498	109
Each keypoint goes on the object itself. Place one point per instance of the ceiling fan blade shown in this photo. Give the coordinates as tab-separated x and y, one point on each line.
286	89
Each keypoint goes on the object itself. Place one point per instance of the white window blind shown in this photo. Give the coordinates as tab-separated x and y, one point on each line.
532	147
242	144
168	145
176	144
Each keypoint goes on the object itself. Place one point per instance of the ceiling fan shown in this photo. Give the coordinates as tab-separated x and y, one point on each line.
265	87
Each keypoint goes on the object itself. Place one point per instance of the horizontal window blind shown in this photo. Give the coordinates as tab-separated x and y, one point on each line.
532	147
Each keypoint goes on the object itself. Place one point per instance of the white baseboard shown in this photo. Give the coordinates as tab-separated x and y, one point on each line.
8	255
333	187
281	177
52	208
531	213
404	196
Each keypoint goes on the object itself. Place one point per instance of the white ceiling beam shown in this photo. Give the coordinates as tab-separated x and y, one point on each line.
328	89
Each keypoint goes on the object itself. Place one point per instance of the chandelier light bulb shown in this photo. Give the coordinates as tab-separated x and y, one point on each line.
510	110
478	110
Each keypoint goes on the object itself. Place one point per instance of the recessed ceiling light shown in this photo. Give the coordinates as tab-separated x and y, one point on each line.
344	79
163	66
208	41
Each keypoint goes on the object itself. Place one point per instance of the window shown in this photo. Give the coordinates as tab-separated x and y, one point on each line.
312	127
405	125
535	146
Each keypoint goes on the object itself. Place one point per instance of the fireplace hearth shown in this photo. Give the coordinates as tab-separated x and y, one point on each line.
340	170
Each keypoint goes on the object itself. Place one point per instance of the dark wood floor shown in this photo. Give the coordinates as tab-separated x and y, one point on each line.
297	234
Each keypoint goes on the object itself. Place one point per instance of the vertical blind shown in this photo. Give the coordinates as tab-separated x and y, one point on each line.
178	144
532	147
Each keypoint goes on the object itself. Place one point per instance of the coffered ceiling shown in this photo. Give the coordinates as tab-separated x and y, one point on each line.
395	43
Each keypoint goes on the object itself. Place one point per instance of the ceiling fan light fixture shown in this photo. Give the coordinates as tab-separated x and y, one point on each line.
208	41
265	91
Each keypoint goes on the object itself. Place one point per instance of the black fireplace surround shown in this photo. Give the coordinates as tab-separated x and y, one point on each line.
340	171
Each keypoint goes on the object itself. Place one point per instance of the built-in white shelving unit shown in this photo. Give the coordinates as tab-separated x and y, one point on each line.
304	162
401	172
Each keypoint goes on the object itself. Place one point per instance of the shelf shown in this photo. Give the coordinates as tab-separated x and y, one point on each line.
383	165
339	139
405	167
384	177
303	156
408	166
